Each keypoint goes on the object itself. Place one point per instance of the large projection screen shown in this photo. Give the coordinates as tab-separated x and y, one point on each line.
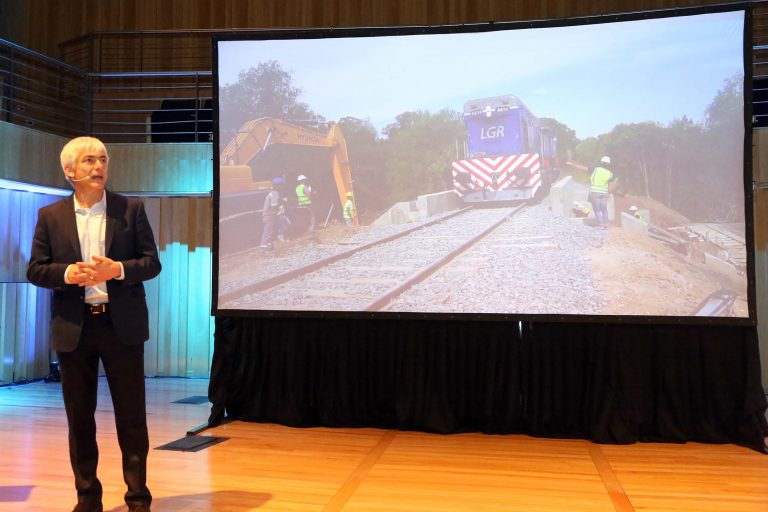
590	169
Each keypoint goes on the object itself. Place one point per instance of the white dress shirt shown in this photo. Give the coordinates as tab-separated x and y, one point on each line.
91	231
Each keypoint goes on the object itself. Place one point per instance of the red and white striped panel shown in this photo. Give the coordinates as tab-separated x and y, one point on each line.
481	171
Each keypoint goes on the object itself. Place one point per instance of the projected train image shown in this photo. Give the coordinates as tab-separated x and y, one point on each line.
510	156
356	174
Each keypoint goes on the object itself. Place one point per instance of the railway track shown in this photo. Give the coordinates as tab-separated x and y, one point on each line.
372	275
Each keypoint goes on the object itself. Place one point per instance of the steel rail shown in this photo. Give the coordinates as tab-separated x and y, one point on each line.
271	282
427	271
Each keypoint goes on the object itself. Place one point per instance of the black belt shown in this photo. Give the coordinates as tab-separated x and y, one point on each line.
97	309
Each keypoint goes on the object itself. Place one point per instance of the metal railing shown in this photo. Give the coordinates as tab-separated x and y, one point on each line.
760	64
51	96
42	93
151	106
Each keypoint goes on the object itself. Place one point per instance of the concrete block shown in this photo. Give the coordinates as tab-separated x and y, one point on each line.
400	213
560	197
630	223
421	209
433	204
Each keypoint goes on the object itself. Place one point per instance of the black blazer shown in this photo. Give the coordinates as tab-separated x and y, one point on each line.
128	239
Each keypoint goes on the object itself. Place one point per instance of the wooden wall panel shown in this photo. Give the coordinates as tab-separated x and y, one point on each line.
17	226
179	299
24	309
761	277
11	11
24	346
161	168
760	155
31	156
760	177
55	21
760	216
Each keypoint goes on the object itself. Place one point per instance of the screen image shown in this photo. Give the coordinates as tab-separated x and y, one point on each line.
593	169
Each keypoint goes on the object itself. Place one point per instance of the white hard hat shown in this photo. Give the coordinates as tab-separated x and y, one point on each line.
633	208
576	203
301	177
605	160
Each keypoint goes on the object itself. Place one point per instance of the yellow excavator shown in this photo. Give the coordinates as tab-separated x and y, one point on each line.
253	139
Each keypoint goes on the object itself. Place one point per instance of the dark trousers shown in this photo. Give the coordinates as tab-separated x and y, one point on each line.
124	367
269	230
600	205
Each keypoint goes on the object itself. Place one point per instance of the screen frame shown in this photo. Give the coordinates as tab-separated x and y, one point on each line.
379	31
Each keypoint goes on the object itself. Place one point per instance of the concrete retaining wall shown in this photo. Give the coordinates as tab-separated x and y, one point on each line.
422	208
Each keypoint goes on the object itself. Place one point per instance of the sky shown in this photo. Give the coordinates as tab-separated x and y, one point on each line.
589	77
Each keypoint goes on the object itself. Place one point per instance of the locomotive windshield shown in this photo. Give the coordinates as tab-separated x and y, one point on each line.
493	132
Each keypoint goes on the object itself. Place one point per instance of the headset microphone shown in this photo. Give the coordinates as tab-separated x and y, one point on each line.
79	179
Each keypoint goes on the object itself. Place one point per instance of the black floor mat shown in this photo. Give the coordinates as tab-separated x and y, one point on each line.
192	443
195	399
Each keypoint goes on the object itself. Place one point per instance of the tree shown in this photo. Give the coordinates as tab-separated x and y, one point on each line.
726	110
695	168
686	149
366	155
587	152
725	149
264	91
637	154
420	148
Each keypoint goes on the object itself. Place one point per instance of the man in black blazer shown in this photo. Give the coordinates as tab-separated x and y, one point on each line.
94	249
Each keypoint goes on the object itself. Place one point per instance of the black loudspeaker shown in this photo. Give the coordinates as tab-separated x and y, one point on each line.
182	120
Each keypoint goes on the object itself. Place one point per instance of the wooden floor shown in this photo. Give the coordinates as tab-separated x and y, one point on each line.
271	467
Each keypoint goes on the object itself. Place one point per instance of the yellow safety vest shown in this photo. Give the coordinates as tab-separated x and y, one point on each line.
349	209
303	198
600	179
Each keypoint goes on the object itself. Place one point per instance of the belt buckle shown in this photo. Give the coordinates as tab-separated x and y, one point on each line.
97	309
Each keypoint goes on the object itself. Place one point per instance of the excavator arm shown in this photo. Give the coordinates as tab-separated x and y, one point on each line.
341	171
254	137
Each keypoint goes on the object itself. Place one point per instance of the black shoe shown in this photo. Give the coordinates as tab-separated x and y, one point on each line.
82	507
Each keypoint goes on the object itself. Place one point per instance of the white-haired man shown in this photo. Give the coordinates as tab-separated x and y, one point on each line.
95	249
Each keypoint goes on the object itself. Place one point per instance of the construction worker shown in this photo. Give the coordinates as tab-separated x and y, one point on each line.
580	210
350	212
304	195
270	216
635	212
600	184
